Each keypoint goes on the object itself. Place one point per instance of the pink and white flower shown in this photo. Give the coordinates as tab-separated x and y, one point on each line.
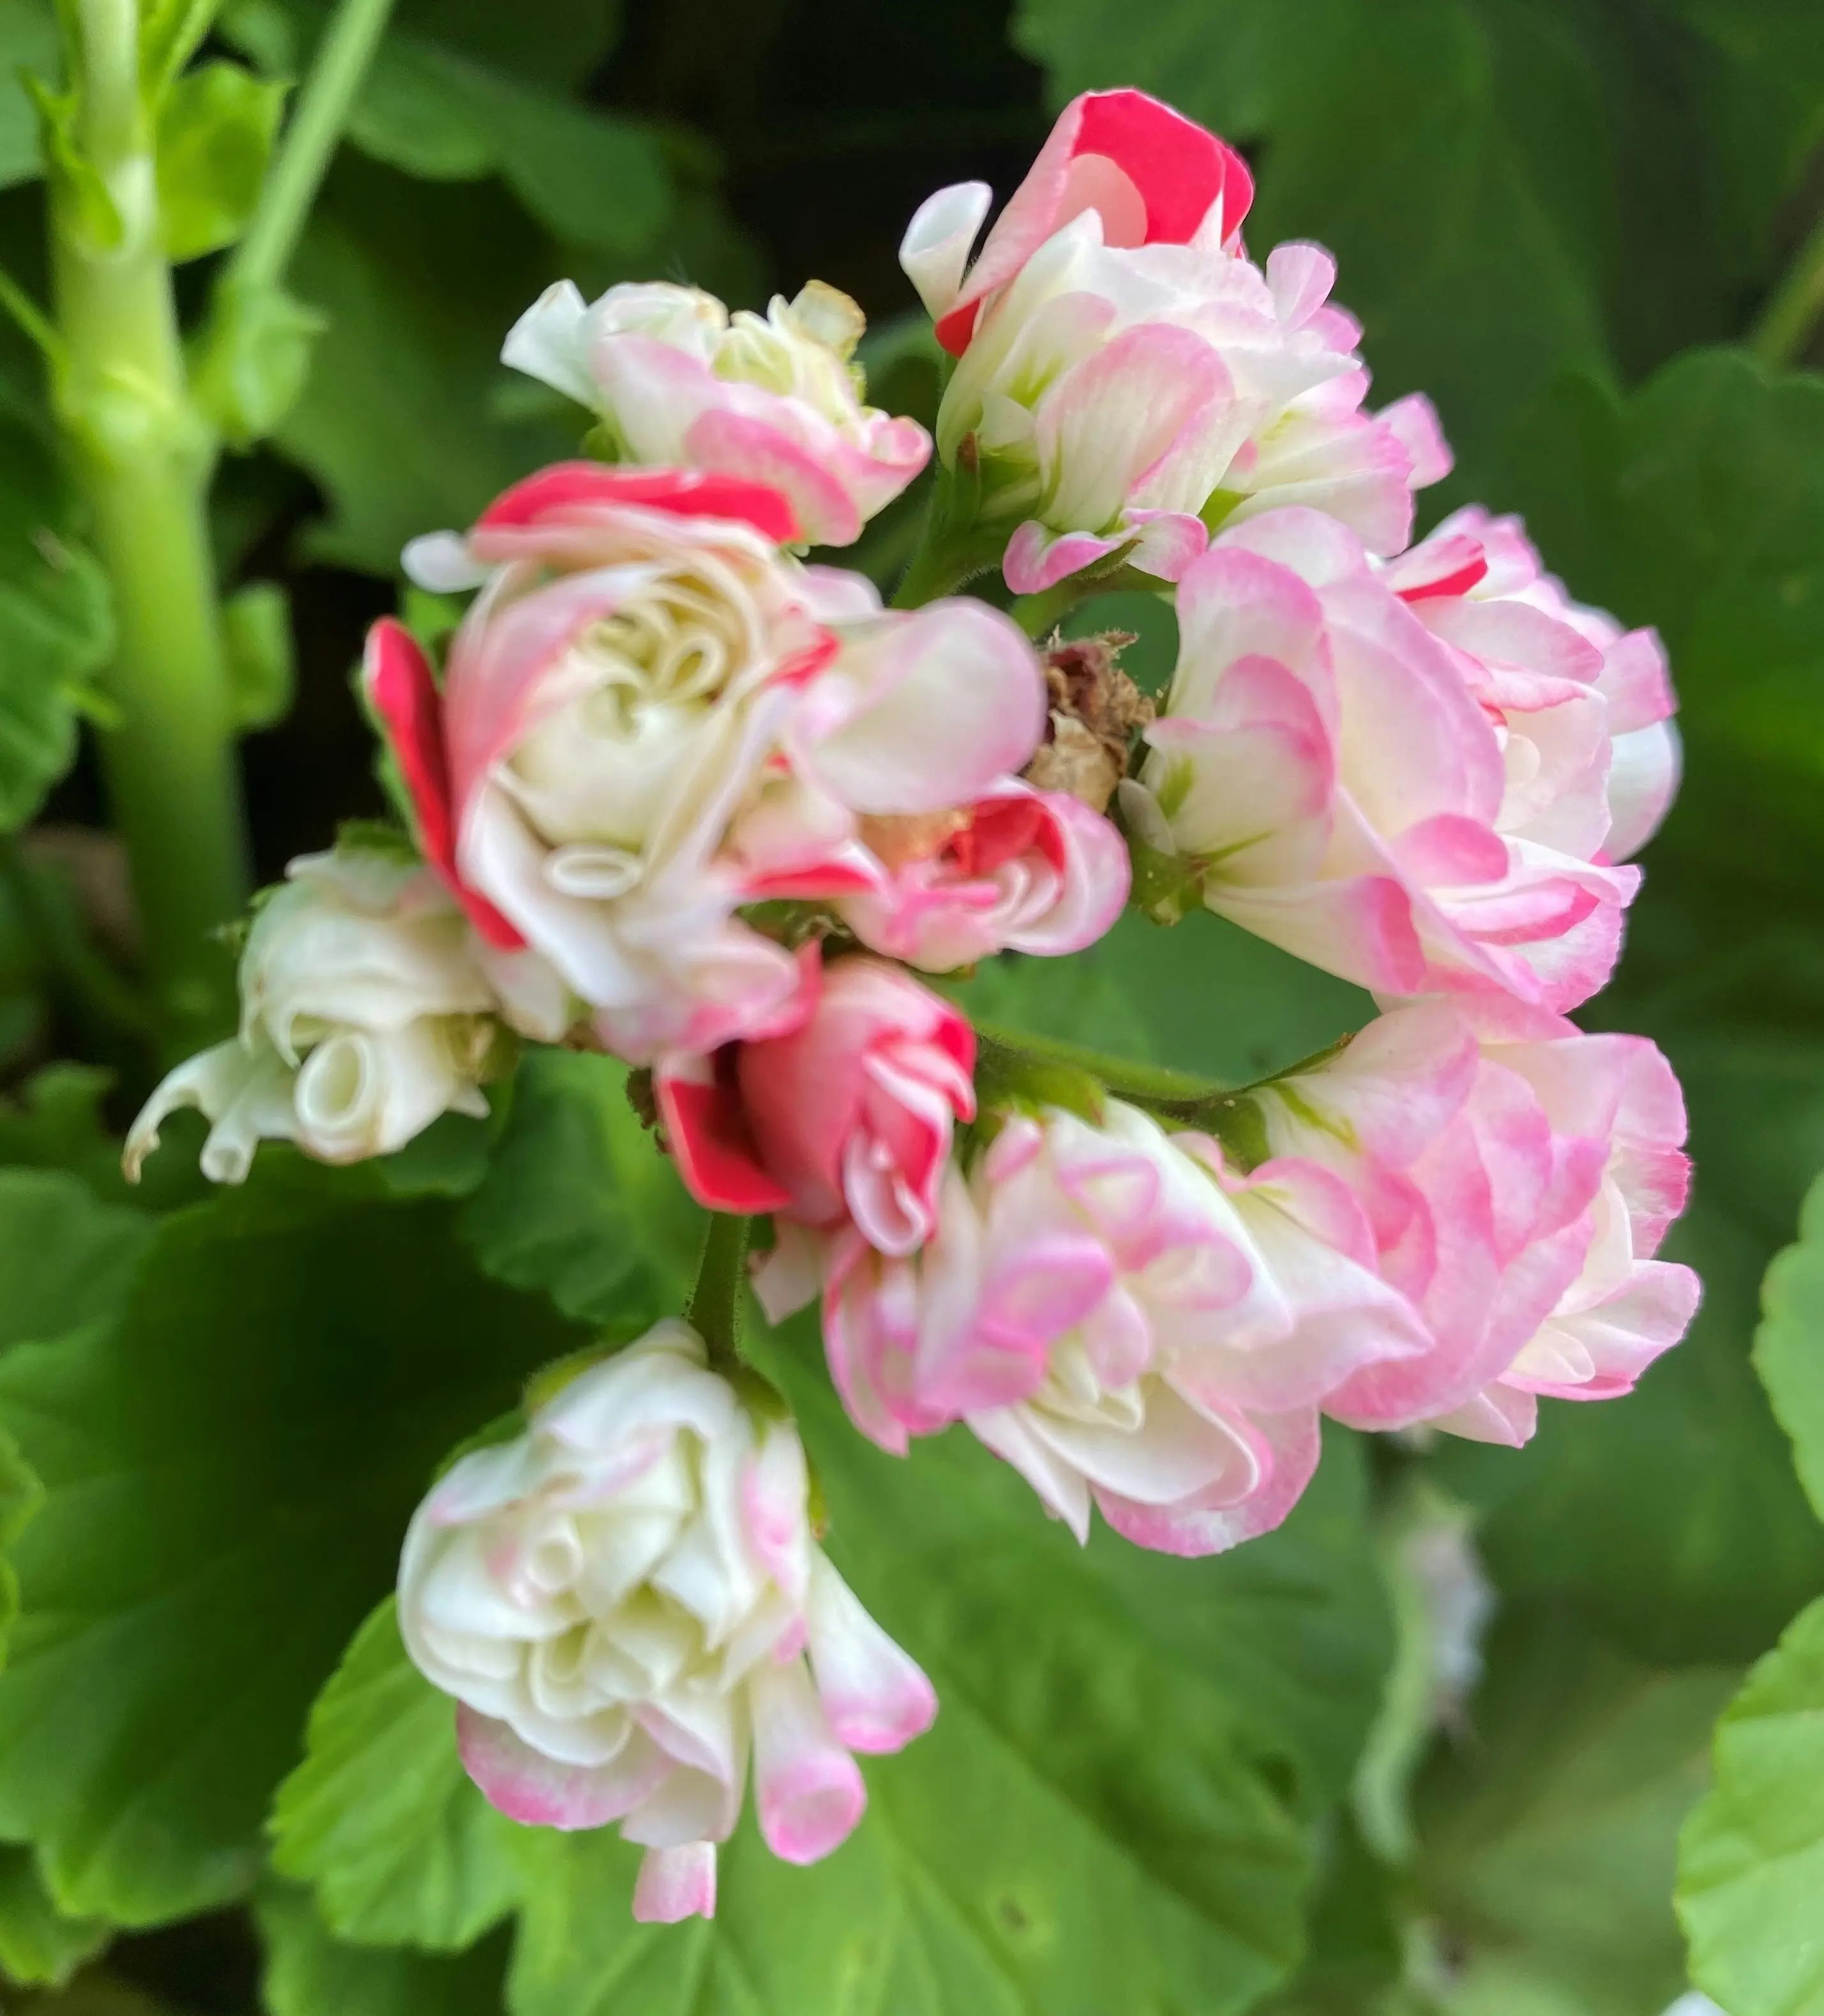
845	1120
1519	1176
650	717
1120	1317
626	1603
1411	812
1127	378
775	399
369	1007
1019	870
1591	736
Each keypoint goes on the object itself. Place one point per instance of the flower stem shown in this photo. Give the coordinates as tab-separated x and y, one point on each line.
1786	323
311	137
714	1307
140	455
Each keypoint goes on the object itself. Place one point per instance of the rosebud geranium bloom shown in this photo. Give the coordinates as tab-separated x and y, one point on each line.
367	1009
1020	870
651	717
1127	378
775	398
846	1119
1405	812
1122	1318
1520	1176
1591	740
626	1602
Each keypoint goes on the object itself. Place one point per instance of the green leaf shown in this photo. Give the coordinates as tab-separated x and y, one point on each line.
1789	1348
1510	189
66	1258
228	1471
39	1947
579	1200
380	1816
21	1495
395	423
1697	504
310	1972
57	626
28	41
262	661
1549	1842
215	131
1751	1860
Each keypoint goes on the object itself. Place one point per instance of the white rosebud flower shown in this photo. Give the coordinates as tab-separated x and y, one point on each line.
366	1010
625	1601
682	383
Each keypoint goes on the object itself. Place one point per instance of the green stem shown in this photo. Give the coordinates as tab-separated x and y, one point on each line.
1147	1085
140	455
714	1311
1791	314
929	575
310	139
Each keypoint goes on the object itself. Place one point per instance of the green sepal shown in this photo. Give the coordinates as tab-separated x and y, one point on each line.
215	131
262	661
252	359
95	217
1166	888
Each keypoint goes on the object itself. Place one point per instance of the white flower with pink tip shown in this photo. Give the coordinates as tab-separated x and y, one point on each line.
1125	378
626	1603
1519	1176
1123	1317
1399	777
369	1007
773	398
651	717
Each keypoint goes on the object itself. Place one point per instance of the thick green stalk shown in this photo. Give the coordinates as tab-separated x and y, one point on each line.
141	455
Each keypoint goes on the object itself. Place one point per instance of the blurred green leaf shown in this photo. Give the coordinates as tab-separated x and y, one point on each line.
310	1972
1510	186
380	1816
1751	1860
39	1947
228	1471
420	285
28	41
449	97
215	131
1789	1350
65	1259
56	625
1549	1842
579	1202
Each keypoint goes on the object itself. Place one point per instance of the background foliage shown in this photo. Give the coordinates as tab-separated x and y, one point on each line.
1562	217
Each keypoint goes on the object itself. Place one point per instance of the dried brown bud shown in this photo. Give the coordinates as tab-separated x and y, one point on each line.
1096	709
897	839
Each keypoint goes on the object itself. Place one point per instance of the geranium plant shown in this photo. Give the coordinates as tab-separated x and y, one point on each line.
678	1290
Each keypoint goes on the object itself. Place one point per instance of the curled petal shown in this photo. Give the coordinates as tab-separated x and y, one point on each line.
675	1883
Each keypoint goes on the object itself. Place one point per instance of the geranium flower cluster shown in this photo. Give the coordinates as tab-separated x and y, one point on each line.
677	795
